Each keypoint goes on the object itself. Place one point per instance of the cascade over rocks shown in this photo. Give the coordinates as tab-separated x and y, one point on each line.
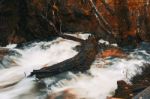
139	83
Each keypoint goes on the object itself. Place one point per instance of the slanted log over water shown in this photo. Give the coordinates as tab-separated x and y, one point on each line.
81	62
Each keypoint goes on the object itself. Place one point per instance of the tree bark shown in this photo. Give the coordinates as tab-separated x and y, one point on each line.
81	62
20	21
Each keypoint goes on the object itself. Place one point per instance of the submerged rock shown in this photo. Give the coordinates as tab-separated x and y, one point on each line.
123	90
3	52
66	94
7	57
139	87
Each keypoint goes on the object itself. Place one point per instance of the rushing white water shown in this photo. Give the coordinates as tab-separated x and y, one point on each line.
98	83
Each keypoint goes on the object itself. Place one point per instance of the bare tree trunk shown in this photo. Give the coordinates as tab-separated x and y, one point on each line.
123	19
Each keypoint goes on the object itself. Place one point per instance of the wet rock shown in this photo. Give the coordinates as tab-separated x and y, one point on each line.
142	79
145	94
123	90
3	52
7	57
138	88
139	84
66	94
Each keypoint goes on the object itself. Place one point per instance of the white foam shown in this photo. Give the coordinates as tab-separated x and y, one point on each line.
101	82
101	41
80	35
34	57
11	46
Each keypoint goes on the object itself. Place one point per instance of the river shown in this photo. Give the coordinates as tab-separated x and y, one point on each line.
97	83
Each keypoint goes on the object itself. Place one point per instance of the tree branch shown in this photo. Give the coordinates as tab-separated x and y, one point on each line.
108	8
100	18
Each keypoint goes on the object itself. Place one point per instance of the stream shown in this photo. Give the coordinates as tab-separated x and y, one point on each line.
97	83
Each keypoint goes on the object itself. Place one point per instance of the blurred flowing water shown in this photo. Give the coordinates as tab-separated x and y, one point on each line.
97	83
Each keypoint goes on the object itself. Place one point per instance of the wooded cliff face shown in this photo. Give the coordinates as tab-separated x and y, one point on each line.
27	20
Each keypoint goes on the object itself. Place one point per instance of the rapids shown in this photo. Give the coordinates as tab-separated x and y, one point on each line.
97	83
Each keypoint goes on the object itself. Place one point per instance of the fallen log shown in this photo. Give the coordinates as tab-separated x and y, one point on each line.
81	62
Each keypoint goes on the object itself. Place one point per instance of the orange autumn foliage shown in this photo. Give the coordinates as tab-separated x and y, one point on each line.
113	52
117	22
127	18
